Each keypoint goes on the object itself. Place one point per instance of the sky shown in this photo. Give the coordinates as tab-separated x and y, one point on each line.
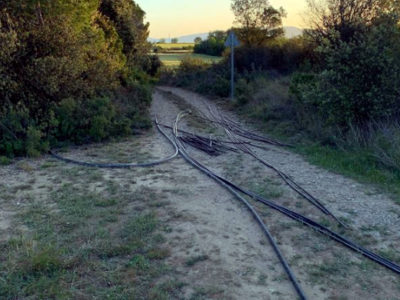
174	18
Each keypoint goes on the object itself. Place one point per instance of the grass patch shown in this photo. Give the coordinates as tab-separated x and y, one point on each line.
267	104
358	165
70	252
207	292
338	268
267	189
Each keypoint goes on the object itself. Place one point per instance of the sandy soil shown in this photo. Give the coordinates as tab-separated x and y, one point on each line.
216	247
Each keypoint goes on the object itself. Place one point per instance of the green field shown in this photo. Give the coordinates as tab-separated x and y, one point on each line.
174	46
174	59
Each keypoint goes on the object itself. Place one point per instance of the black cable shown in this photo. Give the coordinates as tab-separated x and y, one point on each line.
249	207
121	165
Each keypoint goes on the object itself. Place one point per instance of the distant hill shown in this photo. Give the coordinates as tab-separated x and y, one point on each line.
183	39
290	32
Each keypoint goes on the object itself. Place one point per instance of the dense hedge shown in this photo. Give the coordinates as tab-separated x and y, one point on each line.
71	71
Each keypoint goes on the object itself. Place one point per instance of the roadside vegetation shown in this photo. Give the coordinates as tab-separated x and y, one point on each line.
72	71
332	92
214	45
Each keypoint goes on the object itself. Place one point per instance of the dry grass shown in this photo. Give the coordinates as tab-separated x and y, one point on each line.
381	139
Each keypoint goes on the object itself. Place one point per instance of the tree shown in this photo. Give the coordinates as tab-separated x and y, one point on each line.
336	20
198	40
259	21
219	35
128	18
213	45
161	41
174	41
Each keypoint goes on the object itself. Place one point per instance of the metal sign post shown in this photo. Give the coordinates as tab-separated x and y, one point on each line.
232	42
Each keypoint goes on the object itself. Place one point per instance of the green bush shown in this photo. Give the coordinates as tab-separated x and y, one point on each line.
4	161
214	45
72	71
360	79
34	142
12	131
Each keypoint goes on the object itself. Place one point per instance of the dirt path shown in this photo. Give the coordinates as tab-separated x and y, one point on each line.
216	249
326	270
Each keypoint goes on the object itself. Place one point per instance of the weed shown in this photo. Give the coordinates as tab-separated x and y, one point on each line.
267	189
23	166
158	253
139	227
262	279
139	262
390	254
4	161
196	259
358	165
166	290
336	269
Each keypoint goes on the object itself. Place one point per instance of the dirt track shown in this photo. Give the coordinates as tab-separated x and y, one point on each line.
321	265
216	247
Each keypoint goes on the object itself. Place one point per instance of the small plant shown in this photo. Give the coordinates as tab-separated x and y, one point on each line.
139	262
4	161
196	259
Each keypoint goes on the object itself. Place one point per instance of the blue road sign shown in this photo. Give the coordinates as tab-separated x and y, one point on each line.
232	40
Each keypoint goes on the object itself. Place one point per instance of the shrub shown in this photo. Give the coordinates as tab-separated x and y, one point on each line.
360	80
34	142
63	68
381	139
205	79
283	55
4	161
12	130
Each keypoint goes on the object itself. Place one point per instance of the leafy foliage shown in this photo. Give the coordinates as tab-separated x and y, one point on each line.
260	22
360	77
128	18
214	45
68	58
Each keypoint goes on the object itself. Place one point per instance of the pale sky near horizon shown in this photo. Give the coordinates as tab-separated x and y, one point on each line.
174	18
